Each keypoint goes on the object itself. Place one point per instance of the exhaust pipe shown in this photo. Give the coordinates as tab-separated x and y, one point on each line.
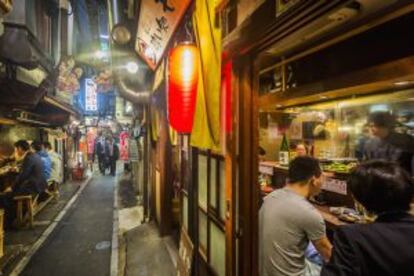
135	97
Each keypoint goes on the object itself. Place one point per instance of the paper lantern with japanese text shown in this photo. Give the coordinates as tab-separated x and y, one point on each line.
182	86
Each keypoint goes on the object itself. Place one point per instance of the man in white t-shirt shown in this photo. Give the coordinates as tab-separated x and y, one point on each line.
56	173
288	222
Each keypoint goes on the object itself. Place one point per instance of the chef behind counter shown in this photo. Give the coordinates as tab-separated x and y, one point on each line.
386	144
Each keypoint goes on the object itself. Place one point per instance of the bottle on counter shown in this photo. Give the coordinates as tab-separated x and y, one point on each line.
284	151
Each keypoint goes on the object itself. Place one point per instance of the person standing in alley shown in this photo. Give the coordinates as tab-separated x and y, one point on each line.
112	154
288	222
100	152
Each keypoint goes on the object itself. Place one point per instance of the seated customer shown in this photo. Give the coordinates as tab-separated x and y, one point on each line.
288	222
56	161
386	246
30	181
47	162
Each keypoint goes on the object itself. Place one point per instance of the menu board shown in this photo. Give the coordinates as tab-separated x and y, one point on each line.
335	185
158	20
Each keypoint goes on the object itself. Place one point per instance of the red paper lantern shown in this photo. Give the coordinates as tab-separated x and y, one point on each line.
182	86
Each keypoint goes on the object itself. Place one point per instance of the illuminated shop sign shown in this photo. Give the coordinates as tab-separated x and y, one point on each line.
91	97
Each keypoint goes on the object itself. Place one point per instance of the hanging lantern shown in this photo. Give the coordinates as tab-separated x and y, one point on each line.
182	86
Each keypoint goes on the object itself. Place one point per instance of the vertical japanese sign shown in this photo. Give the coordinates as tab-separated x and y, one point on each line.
91	97
124	145
157	22
90	141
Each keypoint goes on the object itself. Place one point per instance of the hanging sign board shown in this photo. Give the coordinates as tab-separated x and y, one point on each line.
91	97
335	185
158	20
159	76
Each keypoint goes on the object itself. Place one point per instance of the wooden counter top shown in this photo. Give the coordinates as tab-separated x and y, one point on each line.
331	220
273	164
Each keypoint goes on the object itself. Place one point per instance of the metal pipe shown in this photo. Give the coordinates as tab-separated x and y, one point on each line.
135	97
115	11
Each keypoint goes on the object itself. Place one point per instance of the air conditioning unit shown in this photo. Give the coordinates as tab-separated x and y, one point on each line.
328	22
314	29
28	117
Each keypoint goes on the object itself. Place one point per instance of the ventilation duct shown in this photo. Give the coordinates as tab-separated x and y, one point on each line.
135	97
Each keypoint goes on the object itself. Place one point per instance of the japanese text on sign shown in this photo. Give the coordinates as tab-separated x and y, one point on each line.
157	22
91	98
334	185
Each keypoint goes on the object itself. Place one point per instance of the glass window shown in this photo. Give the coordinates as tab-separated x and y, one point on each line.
212	191
202	181
222	190
185	212
335	129
202	230
217	250
213	183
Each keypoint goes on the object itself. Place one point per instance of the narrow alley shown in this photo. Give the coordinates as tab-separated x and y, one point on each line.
206	137
81	242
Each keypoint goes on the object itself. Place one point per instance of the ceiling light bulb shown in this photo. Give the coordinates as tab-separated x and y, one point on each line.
100	54
402	83
132	67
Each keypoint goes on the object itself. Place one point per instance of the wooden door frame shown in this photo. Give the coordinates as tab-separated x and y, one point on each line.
244	164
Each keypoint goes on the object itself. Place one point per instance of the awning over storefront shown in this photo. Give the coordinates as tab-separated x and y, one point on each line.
18	94
57	113
16	97
58	105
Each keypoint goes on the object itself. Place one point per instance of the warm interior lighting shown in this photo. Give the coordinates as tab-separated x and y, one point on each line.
182	86
403	83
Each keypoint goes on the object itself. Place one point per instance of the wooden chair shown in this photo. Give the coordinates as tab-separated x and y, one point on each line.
53	189
30	204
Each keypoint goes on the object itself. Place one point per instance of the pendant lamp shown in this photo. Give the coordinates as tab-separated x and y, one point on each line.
182	86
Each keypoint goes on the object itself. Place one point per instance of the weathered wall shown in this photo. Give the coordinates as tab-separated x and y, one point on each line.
10	134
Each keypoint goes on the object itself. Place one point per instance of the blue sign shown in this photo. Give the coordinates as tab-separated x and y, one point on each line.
91	103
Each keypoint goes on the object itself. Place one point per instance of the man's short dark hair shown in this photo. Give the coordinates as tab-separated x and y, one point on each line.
382	119
47	145
382	186
303	168
37	145
22	144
